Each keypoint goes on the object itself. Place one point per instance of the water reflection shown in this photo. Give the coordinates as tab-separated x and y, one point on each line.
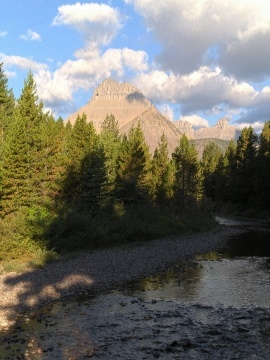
174	284
237	276
252	243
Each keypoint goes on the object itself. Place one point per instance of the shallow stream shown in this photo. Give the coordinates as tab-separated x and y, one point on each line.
237	276
216	306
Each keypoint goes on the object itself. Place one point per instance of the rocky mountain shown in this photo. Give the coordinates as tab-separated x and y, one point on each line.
129	107
222	130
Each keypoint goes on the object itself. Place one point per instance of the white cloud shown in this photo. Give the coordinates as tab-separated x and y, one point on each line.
196	121
21	62
10	74
30	35
257	126
99	23
233	34
57	87
198	91
167	111
3	33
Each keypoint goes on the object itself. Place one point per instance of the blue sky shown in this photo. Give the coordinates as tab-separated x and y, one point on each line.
194	60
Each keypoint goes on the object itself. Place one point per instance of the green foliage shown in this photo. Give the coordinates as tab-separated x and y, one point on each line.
110	141
7	104
188	178
121	224
210	160
67	188
132	184
246	167
263	168
162	174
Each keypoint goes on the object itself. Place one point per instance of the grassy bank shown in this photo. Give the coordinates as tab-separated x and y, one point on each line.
35	239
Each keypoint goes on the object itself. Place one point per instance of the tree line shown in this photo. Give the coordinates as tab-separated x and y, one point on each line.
67	183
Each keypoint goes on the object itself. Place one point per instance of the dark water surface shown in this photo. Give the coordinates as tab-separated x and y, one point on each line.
237	276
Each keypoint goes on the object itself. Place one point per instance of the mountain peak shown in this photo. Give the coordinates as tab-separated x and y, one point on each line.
129	107
111	89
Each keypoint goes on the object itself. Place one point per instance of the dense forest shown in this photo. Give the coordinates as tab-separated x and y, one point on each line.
65	188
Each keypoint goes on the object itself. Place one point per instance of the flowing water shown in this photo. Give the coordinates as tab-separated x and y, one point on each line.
237	276
219	303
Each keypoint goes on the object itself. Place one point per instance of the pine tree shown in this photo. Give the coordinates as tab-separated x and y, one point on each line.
210	159
133	169
246	167
225	175
81	140
23	157
188	179
16	188
92	184
161	173
53	133
263	172
7	104
110	141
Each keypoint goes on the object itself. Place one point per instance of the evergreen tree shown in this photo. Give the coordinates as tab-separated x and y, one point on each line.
188	177
110	141
210	159
161	173
263	172
7	104
23	156
133	168
92	185
54	160
225	175
81	140
16	188
246	167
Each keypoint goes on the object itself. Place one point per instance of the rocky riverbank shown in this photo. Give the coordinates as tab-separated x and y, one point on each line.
122	324
99	271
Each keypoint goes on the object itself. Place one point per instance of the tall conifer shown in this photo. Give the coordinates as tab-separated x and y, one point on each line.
188	179
133	168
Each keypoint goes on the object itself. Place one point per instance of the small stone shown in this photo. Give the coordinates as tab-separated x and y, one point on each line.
242	329
214	332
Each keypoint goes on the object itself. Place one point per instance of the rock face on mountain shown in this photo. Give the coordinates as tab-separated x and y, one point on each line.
153	125
222	130
129	107
186	128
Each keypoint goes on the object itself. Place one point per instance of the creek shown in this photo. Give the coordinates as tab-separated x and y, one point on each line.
215	306
239	275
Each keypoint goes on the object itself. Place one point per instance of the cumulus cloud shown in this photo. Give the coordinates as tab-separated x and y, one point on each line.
3	33
99	23
198	91
59	86
257	126
254	114
167	111
196	121
31	36
233	34
21	62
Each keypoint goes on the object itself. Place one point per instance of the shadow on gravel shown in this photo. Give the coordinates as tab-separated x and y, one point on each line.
28	313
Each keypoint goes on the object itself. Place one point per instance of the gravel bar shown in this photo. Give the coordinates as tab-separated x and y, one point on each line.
101	270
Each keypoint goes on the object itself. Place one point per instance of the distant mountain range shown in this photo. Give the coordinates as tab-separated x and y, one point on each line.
130	107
